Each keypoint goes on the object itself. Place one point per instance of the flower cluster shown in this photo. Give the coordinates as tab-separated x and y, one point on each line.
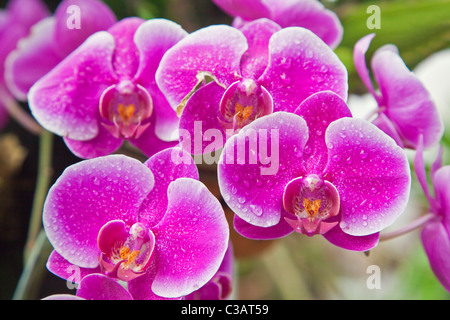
268	94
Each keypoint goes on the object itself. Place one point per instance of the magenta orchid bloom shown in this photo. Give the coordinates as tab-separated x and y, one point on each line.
15	24
337	176
309	14
153	225
435	234
105	91
406	110
259	69
52	39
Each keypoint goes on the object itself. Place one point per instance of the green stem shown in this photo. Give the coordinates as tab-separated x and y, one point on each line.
34	270
42	186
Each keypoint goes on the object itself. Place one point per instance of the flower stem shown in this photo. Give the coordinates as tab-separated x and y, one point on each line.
17	113
416	224
42	186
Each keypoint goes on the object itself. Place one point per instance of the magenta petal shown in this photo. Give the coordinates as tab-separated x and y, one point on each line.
442	193
388	127
62	268
200	129
309	14
319	110
301	64
250	231
101	287
55	100
149	143
246	9
436	242
255	59
94	15
32	59
356	243
359	59
191	240
215	49
419	169
408	103
166	166
86	196
252	182
103	144
371	173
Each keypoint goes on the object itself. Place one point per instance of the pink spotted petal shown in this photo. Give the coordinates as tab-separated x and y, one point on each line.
250	231
103	144
309	14
55	100
371	173
252	183
319	110
166	166
214	49
86	196
201	130
301	64
356	243
94	15
100	287
255	59
408	103
436	242
32	59
191	240
62	268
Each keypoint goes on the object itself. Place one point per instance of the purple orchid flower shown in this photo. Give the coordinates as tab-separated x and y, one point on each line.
105	91
406	110
337	176
435	234
153	225
52	39
309	14
15	24
258	70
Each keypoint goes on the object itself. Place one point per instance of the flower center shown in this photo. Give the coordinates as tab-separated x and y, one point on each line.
312	201
126	254
243	102
126	109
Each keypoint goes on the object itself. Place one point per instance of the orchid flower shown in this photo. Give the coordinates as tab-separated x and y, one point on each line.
105	91
152	225
406	110
309	14
337	176
53	39
257	70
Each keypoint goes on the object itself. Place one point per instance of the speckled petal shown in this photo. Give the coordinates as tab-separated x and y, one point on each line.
250	231
408	104
56	100
356	243
301	64
86	196
371	173
436	242
166	166
319	110
103	144
252	175
100	287
215	49
200	119
62	268
191	240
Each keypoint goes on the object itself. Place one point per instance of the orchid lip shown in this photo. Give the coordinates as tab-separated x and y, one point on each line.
243	102
125	109
126	251
312	201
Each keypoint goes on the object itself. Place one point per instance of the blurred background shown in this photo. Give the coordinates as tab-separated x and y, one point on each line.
295	267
